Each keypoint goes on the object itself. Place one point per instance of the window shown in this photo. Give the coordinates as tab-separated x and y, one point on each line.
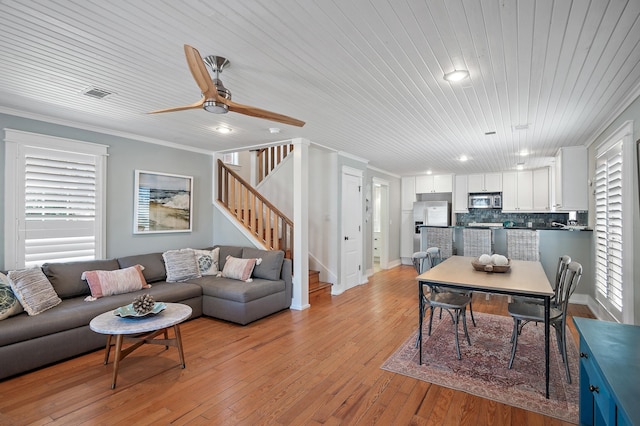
54	193
230	158
614	251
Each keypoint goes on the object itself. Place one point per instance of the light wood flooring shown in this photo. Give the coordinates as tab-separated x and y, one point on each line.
318	366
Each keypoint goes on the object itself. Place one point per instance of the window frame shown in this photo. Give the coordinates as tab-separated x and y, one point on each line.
16	143
623	134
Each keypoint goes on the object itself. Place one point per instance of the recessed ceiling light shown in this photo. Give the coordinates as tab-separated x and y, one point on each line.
223	130
520	166
274	130
521	127
456	75
463	158
429	172
524	153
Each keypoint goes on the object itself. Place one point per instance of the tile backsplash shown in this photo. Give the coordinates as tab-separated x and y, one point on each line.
538	220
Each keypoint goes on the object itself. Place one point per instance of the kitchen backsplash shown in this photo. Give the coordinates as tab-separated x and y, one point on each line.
538	220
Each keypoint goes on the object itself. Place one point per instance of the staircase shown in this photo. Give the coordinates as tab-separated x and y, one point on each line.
317	287
256	214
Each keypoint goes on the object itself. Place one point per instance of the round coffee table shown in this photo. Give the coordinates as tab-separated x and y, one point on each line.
140	331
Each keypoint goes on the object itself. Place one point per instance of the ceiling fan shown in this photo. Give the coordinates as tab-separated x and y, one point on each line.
215	97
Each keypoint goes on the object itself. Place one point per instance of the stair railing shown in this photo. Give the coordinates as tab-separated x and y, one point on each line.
254	211
269	158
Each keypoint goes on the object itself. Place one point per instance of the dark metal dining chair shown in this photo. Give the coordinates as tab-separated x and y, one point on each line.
453	303
563	262
524	313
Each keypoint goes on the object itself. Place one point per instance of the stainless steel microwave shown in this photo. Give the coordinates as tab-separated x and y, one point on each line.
485	201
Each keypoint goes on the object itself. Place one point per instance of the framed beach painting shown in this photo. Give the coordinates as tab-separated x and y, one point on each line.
163	203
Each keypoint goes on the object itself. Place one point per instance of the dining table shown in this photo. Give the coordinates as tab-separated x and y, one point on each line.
524	278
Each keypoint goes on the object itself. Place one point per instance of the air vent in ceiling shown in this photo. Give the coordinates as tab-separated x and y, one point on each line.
96	93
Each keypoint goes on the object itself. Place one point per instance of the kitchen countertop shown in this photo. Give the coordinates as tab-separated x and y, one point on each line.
534	228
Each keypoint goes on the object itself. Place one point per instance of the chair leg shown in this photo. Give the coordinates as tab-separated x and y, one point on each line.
565	358
431	319
473	320
515	341
455	324
463	311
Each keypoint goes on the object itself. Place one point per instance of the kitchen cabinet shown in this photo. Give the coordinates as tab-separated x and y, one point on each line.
571	179
541	190
517	191
488	182
434	183
408	192
460	194
609	371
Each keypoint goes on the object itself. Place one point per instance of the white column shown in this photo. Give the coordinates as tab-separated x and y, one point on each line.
300	153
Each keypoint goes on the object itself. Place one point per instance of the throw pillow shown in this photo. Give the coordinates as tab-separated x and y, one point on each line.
9	304
181	265
271	266
35	292
208	261
108	283
239	269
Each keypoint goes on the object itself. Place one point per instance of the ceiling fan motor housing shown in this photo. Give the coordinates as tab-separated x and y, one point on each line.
217	64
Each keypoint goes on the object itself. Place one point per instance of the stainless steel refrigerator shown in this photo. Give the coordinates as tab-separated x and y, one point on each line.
429	213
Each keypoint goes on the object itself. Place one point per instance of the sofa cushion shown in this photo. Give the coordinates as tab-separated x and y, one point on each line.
238	291
271	265
181	265
75	312
239	269
66	277
9	303
208	261
108	283
235	251
35	292
153	263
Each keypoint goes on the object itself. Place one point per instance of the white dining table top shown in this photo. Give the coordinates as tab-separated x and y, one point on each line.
524	277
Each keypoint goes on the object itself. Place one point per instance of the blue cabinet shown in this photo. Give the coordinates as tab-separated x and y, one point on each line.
609	372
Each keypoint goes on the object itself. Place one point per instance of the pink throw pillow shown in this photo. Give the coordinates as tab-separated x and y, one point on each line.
108	283
239	269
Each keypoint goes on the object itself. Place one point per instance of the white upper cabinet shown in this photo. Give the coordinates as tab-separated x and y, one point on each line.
526	191
460	194
408	194
517	191
541	190
434	183
487	182
571	179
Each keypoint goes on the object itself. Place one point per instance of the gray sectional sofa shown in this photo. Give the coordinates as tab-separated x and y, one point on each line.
28	342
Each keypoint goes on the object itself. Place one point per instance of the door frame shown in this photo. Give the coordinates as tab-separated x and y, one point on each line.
359	174
384	223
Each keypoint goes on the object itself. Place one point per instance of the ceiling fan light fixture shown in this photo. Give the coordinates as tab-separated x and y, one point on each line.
215	107
456	75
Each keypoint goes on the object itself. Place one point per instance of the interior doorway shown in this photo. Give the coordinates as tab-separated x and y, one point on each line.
380	224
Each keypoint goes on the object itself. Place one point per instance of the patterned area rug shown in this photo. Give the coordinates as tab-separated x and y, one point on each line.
483	369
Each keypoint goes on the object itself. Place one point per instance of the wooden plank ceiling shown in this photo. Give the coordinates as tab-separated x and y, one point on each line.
366	75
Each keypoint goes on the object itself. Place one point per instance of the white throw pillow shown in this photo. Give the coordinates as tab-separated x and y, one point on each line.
35	292
208	261
181	265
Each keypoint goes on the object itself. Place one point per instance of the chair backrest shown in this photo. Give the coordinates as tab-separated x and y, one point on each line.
441	238
418	258
563	262
476	242
568	284
434	256
523	244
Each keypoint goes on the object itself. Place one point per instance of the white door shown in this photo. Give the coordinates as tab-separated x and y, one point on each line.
351	228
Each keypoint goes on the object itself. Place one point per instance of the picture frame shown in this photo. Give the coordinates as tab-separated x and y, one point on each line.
163	203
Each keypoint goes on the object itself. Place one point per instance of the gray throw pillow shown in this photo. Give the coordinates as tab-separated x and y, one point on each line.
271	265
35	292
181	265
9	303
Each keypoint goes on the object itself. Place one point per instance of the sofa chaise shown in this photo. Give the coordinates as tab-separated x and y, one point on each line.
29	342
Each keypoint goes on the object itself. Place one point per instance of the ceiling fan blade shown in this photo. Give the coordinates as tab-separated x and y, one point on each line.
181	108
261	113
199	72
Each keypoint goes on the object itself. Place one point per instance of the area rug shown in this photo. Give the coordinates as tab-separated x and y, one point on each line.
483	369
